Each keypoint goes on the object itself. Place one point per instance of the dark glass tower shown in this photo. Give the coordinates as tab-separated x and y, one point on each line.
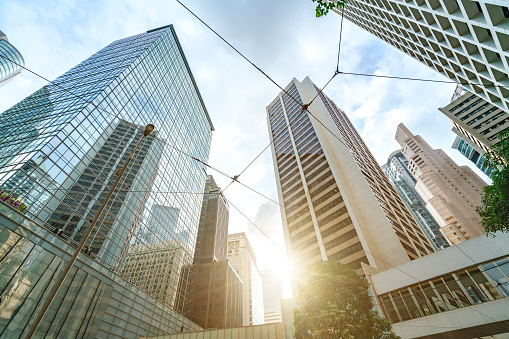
61	146
215	291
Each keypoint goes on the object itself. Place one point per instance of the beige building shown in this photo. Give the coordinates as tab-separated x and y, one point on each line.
451	192
243	260
459	292
475	120
337	204
156	269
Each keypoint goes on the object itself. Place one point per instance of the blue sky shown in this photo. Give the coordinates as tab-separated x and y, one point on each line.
283	38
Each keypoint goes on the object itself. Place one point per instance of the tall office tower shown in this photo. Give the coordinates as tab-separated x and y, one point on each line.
473	155
451	192
477	122
211	241
163	220
272	295
337	204
78	130
243	260
11	61
156	269
397	171
215	290
466	41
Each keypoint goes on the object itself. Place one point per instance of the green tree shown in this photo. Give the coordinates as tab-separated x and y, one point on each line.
323	6
494	211
334	303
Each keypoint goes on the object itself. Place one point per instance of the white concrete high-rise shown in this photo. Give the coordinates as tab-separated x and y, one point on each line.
466	41
451	192
243	260
337	204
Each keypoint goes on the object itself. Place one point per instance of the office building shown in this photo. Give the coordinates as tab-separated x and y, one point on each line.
77	131
214	299
337	204
465	41
269	331
451	192
11	60
243	260
473	155
272	295
93	302
212	238
156	269
215	295
459	292
404	182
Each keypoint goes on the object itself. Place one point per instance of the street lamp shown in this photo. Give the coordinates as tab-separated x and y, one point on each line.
148	129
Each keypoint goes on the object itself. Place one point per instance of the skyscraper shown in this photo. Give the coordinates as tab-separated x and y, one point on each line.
215	290
272	295
337	204
243	260
451	192
466	41
78	130
476	122
11	60
211	242
397	171
473	155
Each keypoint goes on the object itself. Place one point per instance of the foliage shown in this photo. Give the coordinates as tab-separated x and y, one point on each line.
335	303
323	6
8	199
495	209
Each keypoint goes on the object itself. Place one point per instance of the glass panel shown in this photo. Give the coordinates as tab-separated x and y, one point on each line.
472	288
390	312
400	305
422	301
498	276
447	301
431	297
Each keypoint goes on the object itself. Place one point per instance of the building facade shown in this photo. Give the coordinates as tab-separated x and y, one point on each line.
272	295
212	238
397	171
476	121
465	41
336	202
156	268
459	292
214	299
11	60
93	302
451	192
243	260
473	155
78	130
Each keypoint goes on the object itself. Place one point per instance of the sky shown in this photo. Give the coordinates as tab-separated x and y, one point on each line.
285	40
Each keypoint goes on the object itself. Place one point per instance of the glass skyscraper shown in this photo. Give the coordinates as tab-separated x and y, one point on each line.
471	154
11	60
404	182
61	146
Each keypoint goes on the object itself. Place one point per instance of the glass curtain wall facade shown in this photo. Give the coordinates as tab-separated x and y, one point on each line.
11	60
471	154
61	146
334	193
404	182
470	286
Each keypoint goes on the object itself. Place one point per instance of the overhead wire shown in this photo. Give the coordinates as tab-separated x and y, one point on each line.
337	72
